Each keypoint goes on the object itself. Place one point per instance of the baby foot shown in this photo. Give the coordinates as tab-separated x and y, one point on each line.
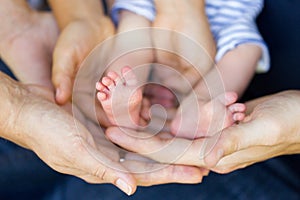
120	98
209	118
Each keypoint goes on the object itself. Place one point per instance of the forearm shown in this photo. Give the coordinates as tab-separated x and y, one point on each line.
194	25
126	18
69	10
232	73
13	96
180	7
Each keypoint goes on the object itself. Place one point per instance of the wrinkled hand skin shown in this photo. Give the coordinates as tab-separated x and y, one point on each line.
68	147
271	129
22	28
75	42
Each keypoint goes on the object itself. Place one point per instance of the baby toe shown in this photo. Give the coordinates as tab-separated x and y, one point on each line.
238	116
129	76
102	96
237	107
115	77
108	82
228	98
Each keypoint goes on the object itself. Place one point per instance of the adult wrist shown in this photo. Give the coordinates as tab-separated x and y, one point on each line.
14	13
142	8
179	7
68	11
13	97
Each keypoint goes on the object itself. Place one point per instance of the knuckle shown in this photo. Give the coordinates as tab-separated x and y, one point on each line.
101	172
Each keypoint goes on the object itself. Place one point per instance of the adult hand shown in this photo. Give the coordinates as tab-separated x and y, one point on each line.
270	130
146	171
27	40
83	26
68	147
58	139
183	43
76	40
130	47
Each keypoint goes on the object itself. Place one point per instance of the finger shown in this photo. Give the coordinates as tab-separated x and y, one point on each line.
164	150
243	158
148	174
64	71
103	169
236	138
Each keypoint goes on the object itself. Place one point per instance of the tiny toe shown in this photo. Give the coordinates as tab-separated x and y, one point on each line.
114	76
100	86
108	82
238	116
229	98
102	96
237	107
129	76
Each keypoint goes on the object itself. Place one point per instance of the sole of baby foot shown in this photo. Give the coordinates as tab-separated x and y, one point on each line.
213	116
120	98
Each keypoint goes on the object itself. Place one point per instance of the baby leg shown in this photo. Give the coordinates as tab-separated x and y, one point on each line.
197	118
120	98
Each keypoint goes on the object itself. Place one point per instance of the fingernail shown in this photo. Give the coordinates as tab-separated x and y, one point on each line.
122	185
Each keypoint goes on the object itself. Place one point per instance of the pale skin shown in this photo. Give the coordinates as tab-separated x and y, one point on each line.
222	103
166	18
25	27
188	36
83	25
118	91
120	98
210	94
270	129
22	28
18	98
212	86
68	147
132	103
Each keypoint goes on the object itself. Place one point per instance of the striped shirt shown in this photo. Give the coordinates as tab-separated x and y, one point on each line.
232	23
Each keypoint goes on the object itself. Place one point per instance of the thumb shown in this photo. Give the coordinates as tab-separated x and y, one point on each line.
234	139
108	171
65	66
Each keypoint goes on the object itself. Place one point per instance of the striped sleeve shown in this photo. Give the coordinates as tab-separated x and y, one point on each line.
145	8
232	23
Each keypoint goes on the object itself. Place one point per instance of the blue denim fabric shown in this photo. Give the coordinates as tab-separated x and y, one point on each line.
23	174
268	180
